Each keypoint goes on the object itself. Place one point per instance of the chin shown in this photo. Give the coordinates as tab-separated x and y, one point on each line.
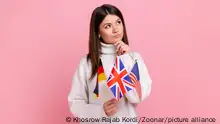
117	39
113	41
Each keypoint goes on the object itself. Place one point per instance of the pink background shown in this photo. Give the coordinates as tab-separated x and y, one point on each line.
42	41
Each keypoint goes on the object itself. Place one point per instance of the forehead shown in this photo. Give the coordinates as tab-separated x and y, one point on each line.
110	18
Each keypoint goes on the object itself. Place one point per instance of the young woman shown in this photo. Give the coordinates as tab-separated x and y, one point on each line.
107	40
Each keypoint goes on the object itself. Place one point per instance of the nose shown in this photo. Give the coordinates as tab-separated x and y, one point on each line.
115	30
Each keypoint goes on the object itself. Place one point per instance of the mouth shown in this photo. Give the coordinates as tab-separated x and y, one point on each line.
118	35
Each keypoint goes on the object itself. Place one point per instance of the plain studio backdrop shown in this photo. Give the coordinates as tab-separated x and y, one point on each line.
42	41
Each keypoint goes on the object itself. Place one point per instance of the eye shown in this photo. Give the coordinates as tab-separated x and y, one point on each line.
119	22
107	26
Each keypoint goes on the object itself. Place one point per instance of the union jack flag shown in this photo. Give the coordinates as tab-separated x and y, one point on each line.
119	81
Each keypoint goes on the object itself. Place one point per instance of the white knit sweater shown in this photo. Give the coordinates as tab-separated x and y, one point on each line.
81	98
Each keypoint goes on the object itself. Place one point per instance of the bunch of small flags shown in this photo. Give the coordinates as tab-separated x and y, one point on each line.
120	81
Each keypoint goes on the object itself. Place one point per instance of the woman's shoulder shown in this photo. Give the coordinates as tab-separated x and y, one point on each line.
135	55
84	60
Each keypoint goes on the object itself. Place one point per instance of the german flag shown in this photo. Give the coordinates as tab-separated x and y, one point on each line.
100	77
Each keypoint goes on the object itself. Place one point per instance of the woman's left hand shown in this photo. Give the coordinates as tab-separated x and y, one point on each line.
121	47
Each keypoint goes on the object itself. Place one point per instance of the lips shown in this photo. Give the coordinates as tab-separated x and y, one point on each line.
117	36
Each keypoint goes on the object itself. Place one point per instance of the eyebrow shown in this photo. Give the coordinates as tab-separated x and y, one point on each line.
110	23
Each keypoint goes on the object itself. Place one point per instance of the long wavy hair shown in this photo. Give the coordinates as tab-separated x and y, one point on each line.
97	17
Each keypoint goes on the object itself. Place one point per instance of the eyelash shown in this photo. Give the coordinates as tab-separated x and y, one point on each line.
107	26
119	21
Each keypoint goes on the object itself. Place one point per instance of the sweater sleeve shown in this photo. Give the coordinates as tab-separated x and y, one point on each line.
78	96
145	81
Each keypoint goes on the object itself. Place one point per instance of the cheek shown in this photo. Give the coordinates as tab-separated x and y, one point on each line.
107	34
122	29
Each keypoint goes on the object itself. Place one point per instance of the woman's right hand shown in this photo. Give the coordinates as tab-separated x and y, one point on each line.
110	107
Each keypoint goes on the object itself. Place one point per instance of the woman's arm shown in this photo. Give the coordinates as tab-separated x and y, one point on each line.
145	81
78	96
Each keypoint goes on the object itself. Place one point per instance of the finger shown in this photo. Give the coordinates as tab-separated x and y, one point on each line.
117	43
108	103
110	110
112	113
118	53
112	101
118	46
122	49
111	106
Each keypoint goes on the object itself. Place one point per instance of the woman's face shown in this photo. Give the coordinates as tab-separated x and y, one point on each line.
111	29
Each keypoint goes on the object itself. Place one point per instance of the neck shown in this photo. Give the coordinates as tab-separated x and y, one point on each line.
108	48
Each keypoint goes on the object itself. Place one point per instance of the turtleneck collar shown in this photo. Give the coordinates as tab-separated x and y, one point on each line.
108	48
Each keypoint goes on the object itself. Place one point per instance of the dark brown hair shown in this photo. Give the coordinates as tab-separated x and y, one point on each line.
97	17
